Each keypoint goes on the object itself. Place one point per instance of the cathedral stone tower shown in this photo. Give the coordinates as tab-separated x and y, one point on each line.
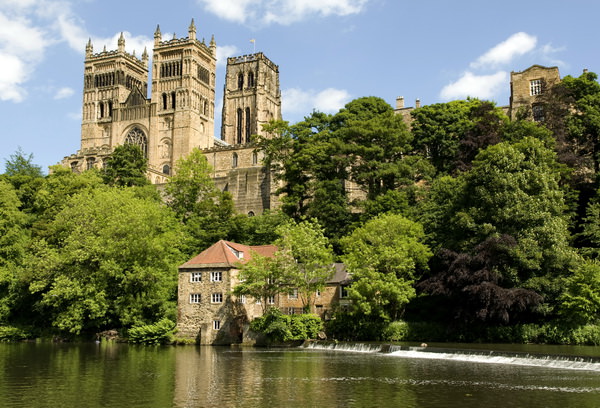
251	97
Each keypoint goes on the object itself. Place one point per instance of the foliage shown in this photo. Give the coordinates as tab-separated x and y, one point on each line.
580	302
282	328
126	167
111	261
10	333
396	331
21	164
307	257
160	332
385	256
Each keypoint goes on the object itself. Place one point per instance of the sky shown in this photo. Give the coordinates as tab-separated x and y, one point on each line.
328	51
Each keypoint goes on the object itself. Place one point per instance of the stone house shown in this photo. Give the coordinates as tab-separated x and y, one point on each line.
206	308
209	312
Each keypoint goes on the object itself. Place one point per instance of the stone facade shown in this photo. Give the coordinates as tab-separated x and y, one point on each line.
179	115
526	89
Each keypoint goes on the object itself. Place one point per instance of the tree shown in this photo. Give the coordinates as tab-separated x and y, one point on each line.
21	164
126	167
191	193
307	256
385	257
580	302
110	262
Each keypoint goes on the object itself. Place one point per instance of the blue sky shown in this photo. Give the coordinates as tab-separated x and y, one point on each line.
328	51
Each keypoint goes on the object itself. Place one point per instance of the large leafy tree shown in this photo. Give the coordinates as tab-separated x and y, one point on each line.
206	211
307	256
126	167
110	262
21	164
385	257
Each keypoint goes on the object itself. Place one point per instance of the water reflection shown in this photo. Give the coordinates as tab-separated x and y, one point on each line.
117	375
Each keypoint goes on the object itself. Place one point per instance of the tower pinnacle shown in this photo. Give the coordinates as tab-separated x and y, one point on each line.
121	43
213	45
157	35
192	31
89	48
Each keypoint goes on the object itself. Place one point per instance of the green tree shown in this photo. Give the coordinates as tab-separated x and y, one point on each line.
206	211
580	302
126	167
307	256
385	257
14	241
110	262
21	164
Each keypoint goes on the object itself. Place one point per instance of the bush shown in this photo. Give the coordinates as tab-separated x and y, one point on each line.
10	333
160	332
280	328
396	331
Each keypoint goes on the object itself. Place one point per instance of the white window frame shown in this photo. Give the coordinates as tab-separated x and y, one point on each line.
216	324
216	297
196	277
271	300
535	87
216	276
243	299
294	294
195	298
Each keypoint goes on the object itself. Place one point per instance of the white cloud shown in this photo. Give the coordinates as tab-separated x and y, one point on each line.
13	74
63	93
224	52
516	45
280	11
297	102
477	86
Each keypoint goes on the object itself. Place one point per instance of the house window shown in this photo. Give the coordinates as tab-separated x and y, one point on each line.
343	292
271	300
258	301
293	294
196	277
538	113
318	293
243	299
535	87
216	324
234	160
194	297
216	276
216	298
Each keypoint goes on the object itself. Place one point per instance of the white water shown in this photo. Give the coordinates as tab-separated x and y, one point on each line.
473	356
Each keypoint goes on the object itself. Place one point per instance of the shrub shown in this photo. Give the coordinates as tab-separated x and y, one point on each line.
10	333
279	327
396	331
160	332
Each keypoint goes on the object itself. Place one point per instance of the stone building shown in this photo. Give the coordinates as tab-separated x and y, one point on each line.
206	308
179	115
527	88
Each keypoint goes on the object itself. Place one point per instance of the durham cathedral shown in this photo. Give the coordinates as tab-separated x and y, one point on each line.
179	116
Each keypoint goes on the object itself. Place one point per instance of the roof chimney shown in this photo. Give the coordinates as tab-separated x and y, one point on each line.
418	103
585	70
400	102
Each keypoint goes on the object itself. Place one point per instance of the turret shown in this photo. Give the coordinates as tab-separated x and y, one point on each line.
213	45
157	36
89	49
192	31
145	56
121	43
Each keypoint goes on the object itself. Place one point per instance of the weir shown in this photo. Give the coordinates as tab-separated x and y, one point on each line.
567	362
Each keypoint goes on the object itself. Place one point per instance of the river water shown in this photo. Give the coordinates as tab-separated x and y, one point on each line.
120	375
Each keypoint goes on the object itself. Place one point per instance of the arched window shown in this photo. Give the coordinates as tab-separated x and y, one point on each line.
74	166
254	158
164	98
110	108
240	125
247	125
234	160
250	213
138	138
90	163
166	169
251	79
173	99
101	110
240	81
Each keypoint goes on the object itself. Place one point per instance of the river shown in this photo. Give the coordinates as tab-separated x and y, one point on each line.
119	375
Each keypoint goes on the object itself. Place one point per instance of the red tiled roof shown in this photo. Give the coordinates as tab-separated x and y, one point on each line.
222	253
